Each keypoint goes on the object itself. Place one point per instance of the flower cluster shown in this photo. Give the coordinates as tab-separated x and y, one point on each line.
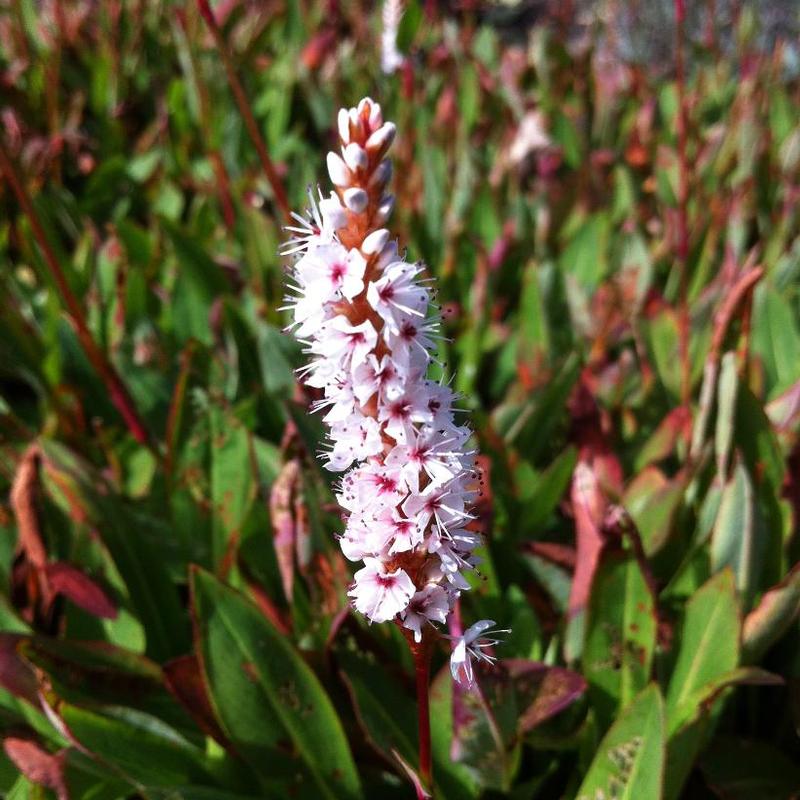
366	318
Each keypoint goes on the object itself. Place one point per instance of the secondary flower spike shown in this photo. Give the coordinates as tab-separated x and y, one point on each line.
370	330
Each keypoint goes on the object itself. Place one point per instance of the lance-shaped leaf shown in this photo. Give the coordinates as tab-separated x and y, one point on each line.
77	586
38	765
629	764
540	691
283	522
726	411
738	536
589	505
147	751
461	775
265	696
621	635
708	650
16	676
233	480
708	647
772	617
388	726
83	494
740	769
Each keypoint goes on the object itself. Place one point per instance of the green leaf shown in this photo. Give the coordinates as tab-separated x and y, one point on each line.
388	725
726	410
775	613
749	770
738	537
264	694
621	635
585	257
652	500
708	647
200	281
529	427
629	763
776	338
459	781
146	750
79	490
542	492
233	482
409	25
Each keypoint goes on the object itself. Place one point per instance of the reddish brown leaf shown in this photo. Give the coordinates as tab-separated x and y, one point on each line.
80	589
318	48
283	522
560	554
24	501
15	675
773	616
38	765
184	679
589	506
542	691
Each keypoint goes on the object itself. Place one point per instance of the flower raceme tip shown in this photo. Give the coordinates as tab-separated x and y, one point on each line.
370	330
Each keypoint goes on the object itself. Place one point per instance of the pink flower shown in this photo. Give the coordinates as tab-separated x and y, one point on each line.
364	315
471	646
381	595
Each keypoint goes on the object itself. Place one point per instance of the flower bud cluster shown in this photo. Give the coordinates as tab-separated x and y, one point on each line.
366	318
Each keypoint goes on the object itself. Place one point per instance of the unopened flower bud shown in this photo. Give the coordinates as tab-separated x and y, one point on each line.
337	169
355	199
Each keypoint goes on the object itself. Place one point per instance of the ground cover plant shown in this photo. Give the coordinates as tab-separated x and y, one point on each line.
607	199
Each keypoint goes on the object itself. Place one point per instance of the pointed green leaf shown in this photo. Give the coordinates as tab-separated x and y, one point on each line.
629	764
621	635
265	695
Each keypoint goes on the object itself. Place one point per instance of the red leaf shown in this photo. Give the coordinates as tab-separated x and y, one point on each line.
589	506
38	765
23	501
184	679
81	589
15	675
542	691
318	48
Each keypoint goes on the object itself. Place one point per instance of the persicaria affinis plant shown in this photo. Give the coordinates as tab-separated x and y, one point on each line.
366	317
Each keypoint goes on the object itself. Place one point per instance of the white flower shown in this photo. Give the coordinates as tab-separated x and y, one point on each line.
431	604
471	646
364	315
372	377
397	296
381	595
391	58
327	271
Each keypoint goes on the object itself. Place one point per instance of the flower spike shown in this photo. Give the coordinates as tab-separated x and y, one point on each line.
369	328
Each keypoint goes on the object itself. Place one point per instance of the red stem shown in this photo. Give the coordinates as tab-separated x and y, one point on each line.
422	669
683	198
117	390
244	109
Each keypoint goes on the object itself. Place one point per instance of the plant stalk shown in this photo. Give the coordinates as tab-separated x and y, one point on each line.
683	200
421	653
244	109
117	390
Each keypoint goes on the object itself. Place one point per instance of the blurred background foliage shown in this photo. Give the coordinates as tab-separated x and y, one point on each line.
610	205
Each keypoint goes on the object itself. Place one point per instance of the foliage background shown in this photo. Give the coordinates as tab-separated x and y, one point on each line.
623	308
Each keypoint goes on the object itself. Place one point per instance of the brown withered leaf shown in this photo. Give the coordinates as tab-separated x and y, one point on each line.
24	491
